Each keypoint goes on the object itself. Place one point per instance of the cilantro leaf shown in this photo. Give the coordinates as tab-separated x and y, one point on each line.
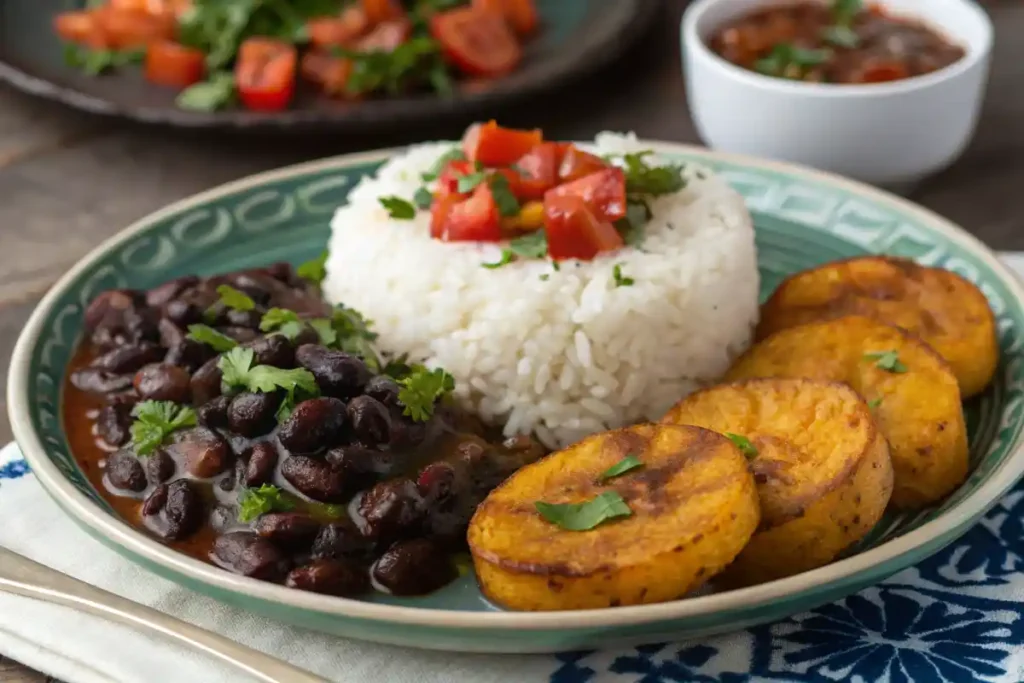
216	92
887	360
398	208
875	402
789	61
314	270
841	36
619	279
325	330
468	182
454	154
95	62
267	378
252	503
276	317
235	299
631	226
155	421
235	365
421	390
506	202
204	334
845	11
532	245
423	198
586	515
630	462
414	62
642	178
506	257
743	443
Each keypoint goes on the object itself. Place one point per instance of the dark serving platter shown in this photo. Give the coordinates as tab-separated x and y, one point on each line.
578	37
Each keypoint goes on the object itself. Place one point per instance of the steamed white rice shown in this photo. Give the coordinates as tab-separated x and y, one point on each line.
567	354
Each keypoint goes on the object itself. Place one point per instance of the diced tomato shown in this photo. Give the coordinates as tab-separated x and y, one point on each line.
576	163
82	28
385	37
881	72
439	211
492	145
382	10
448	178
573	231
539	169
329	72
351	25
603	192
127	29
174	65
472	220
478	42
520	14
265	74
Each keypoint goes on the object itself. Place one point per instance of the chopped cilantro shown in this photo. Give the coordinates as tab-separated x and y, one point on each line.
422	389
204	334
875	402
789	61
95	62
845	11
252	503
468	182
532	245
586	515
235	299
507	203
423	198
887	360
325	330
743	443
619	279
506	257
454	154
155	421
314	270
644	179
286	323
841	36
398	208
630	462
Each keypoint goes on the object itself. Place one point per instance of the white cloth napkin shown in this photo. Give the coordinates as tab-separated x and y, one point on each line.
82	649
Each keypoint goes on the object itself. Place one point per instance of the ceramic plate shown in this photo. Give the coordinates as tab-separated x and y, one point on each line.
579	37
803	218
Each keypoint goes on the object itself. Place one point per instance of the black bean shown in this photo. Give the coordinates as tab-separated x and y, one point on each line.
253	414
170	334
340	541
258	285
330	577
128	358
174	511
214	413
260	464
141	325
250	319
183	313
159	382
162	294
273	350
247	554
124	471
406	434
307	335
313	425
229	480
107	309
338	374
114	422
155	501
189	354
282	271
384	389
122	398
358	464
371	423
160	467
204	453
314	478
240	334
99	382
391	509
289	530
205	384
223	519
414	567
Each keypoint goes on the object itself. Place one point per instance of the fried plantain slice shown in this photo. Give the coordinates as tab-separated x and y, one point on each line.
821	465
913	393
945	310
692	507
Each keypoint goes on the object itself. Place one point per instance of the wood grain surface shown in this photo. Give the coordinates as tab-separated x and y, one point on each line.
68	181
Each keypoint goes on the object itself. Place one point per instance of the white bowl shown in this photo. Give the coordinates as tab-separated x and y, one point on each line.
886	133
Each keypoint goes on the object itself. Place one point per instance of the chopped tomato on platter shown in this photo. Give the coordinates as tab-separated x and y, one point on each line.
82	28
475	219
538	170
265	74
343	29
124	29
439	211
477	41
174	65
573	231
576	164
491	145
382	10
520	14
329	72
603	192
385	37
448	179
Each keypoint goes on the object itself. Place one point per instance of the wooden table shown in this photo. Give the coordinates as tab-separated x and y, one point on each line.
67	181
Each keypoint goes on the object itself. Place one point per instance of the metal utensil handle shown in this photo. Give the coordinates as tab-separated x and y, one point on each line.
25	577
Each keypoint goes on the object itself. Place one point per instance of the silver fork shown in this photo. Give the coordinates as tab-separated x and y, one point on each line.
22	576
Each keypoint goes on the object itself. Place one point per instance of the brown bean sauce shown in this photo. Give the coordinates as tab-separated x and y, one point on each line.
376	500
811	41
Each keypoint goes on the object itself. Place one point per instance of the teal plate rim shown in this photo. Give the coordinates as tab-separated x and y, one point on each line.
821	585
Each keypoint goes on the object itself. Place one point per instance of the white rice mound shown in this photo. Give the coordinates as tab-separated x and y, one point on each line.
567	354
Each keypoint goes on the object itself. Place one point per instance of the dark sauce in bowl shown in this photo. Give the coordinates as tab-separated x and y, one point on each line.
342	494
840	42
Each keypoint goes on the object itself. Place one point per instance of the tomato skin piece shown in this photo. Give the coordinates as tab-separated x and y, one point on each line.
82	28
439	212
491	145
174	65
381	10
477	41
473	220
349	26
539	169
265	74
883	72
603	192
125	29
576	164
329	72
385	37
573	231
